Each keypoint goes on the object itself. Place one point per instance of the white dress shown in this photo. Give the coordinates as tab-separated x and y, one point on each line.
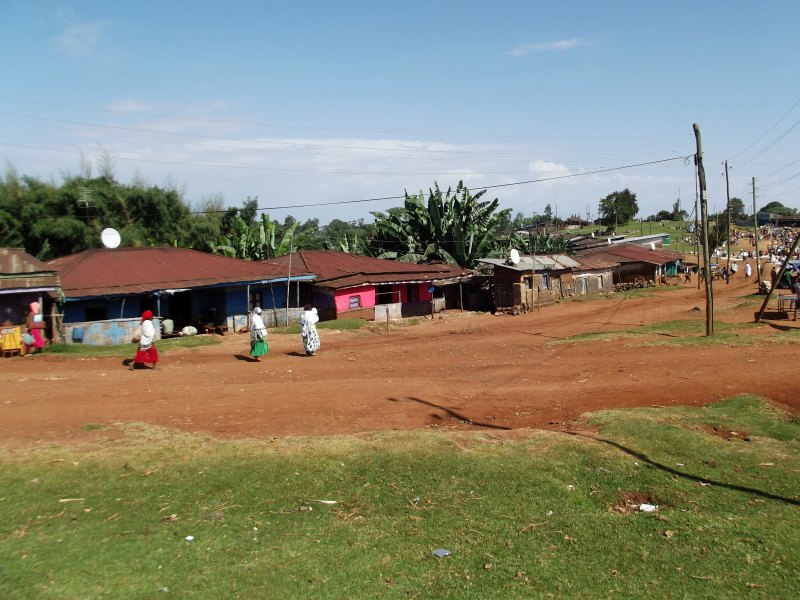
308	329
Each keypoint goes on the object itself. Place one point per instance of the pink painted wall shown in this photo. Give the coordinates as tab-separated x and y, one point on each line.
342	298
367	294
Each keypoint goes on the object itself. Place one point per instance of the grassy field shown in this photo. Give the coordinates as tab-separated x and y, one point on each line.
676	229
193	341
685	333
528	515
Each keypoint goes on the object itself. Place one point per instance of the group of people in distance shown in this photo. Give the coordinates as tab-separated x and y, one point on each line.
308	331
147	353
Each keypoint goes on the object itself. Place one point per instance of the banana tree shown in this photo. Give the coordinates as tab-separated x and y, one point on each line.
454	226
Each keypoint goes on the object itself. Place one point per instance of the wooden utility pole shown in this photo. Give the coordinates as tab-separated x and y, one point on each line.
697	240
701	177
289	276
755	231
728	229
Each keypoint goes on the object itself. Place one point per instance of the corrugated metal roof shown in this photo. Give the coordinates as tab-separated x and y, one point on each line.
339	270
629	253
20	270
592	262
544	262
119	271
658	256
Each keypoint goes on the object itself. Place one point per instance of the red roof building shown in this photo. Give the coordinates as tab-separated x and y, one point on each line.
352	285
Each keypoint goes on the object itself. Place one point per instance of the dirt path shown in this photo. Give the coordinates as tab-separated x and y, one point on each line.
461	370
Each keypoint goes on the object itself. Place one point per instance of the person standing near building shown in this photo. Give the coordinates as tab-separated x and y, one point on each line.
34	326
147	352
258	335
308	329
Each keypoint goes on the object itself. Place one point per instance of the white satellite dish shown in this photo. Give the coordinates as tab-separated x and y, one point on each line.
652	246
513	256
110	237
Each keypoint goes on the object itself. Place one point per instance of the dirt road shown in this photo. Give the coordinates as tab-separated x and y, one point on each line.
461	370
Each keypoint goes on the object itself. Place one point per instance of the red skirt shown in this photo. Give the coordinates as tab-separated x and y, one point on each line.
146	356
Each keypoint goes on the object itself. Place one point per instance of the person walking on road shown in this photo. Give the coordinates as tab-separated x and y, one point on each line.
308	329
258	335
147	352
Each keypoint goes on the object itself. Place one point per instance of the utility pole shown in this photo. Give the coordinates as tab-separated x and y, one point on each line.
697	240
728	229
701	176
755	231
289	277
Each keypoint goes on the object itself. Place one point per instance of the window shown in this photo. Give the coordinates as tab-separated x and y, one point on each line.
384	295
354	302
255	300
96	313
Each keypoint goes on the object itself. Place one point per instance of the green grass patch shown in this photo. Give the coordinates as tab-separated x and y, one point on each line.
93	426
545	515
686	333
165	345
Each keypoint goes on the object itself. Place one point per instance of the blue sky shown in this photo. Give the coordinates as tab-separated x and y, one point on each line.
317	102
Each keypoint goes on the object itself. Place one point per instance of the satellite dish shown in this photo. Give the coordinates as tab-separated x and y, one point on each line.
652	246
110	237
513	256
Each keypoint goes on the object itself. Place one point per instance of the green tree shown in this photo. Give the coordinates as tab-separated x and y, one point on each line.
618	208
454	226
777	208
678	214
542	242
737	210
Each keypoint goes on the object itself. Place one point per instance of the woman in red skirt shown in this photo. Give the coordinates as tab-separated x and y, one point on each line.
147	352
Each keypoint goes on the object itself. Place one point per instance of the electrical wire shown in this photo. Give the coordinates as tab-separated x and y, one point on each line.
763	135
312	128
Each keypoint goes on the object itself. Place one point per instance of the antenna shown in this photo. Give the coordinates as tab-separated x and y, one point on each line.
86	201
513	256
110	237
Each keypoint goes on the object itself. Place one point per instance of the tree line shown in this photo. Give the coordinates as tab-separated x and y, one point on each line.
50	220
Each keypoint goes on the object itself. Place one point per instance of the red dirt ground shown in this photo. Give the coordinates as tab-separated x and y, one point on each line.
460	370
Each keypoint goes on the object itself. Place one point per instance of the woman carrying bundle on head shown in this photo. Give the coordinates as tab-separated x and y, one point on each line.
147	352
258	335
308	329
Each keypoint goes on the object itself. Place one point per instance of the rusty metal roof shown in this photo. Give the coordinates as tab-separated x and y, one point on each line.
339	270
591	262
626	253
658	256
119	271
21	271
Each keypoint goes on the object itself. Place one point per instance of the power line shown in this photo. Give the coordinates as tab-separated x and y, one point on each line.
314	128
489	187
260	141
763	135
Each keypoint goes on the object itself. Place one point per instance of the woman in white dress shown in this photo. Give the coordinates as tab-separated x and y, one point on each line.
308	329
258	335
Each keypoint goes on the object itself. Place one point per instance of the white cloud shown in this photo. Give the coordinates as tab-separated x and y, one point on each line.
556	46
132	106
79	40
548	168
